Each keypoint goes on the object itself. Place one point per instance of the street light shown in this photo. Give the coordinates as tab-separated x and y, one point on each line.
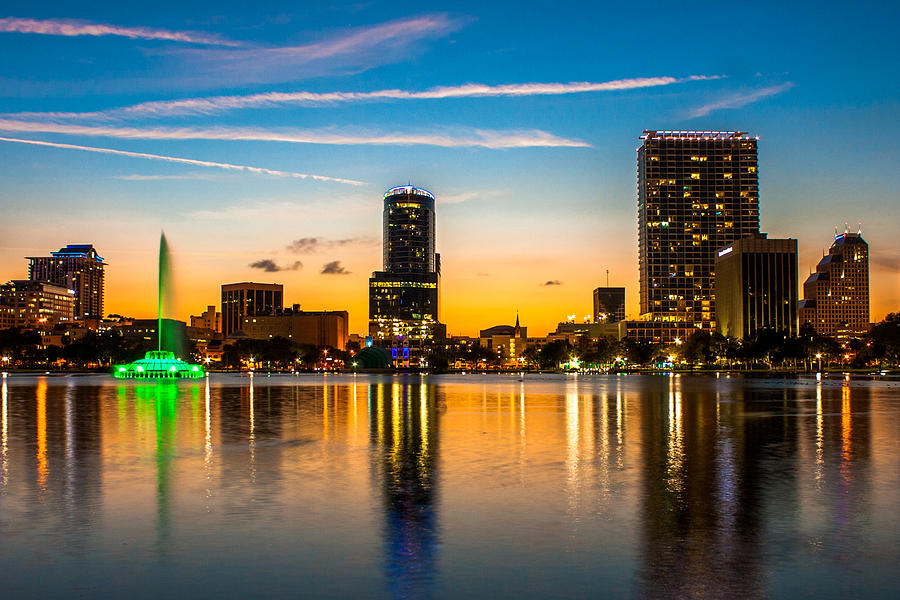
819	358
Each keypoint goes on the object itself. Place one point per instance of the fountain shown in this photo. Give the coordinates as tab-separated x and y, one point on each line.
160	363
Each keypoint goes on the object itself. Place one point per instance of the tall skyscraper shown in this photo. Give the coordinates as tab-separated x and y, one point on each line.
404	297
77	267
836	297
698	191
249	299
609	304
756	286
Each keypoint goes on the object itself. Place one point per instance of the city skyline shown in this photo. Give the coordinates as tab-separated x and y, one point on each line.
535	187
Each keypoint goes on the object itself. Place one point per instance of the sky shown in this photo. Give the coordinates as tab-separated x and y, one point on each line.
262	140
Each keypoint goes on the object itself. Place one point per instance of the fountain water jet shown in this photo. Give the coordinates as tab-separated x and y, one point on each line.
161	363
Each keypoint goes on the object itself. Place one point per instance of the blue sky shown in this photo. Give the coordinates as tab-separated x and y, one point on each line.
535	183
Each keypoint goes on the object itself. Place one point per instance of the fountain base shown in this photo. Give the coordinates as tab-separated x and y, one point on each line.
158	364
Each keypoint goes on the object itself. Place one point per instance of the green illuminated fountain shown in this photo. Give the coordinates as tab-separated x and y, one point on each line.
159	363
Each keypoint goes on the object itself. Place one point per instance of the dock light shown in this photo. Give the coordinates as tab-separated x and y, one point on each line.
678	341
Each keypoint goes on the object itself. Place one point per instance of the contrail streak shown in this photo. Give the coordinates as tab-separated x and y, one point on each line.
185	161
469	138
218	104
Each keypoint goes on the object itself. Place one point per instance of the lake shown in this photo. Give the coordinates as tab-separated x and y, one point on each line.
450	486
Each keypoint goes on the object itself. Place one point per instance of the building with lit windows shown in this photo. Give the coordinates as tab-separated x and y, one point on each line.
35	305
249	299
508	341
76	267
698	191
836	297
404	296
757	286
210	320
609	305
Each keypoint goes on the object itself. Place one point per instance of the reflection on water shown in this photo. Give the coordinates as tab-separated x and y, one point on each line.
409	487
403	428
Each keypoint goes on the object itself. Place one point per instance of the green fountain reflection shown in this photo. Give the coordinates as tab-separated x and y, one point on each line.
162	363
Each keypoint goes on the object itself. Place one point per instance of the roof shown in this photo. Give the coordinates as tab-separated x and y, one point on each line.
78	251
817	277
653	134
498	330
408	190
849	239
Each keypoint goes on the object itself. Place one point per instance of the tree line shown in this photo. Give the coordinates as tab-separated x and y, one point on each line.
768	349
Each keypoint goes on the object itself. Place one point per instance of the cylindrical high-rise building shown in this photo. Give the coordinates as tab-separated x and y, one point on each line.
408	230
403	298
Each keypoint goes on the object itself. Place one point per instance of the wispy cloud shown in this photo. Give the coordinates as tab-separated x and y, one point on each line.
467	196
352	51
186	161
457	138
270	266
311	245
334	268
885	260
552	282
741	99
299	210
219	104
71	27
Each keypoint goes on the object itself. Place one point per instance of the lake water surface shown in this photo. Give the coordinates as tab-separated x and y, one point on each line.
629	486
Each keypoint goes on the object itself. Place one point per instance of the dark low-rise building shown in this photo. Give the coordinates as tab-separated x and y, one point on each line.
249	299
317	328
609	305
757	286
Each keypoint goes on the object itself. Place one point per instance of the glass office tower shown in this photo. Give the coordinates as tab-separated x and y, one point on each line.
403	298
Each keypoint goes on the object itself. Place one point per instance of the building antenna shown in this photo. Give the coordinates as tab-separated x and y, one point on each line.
607	278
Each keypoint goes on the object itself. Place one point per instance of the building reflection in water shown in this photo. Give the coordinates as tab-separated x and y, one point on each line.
4	436
403	431
700	509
